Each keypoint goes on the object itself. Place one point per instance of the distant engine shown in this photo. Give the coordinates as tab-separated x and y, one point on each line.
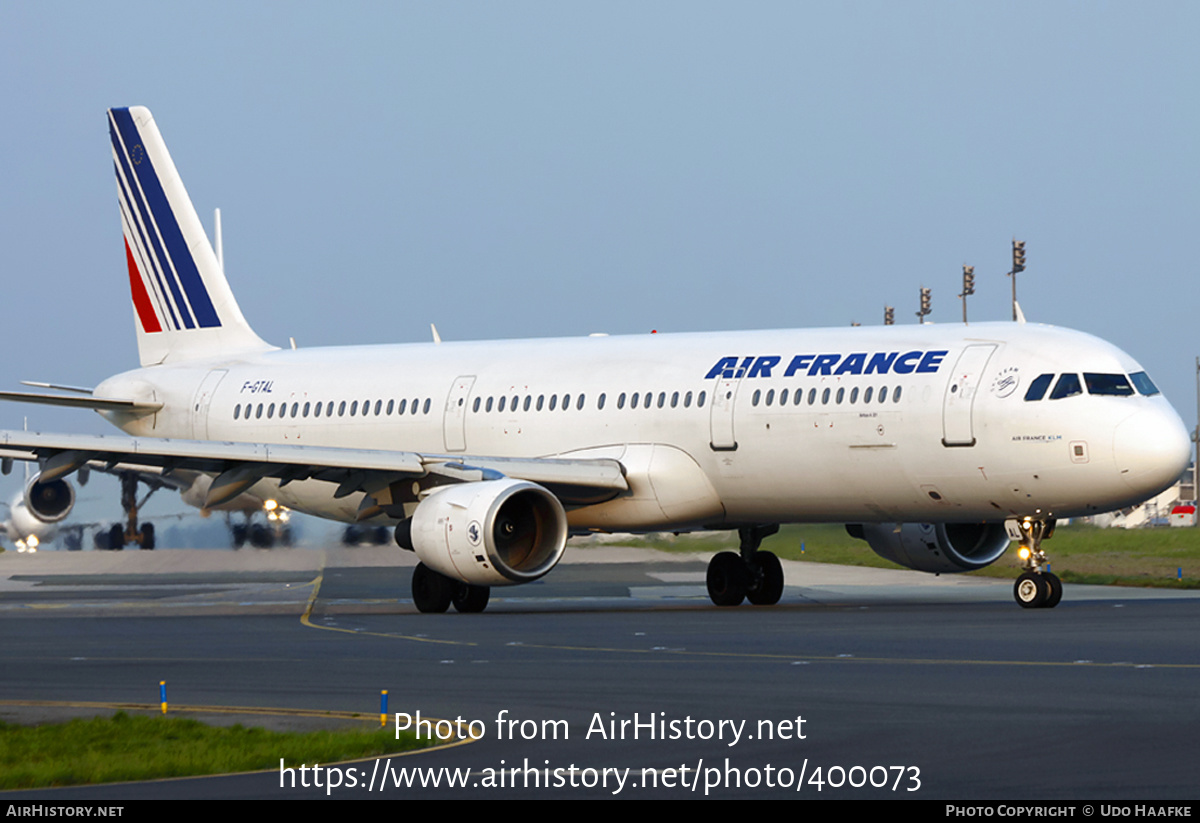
935	547
490	533
49	502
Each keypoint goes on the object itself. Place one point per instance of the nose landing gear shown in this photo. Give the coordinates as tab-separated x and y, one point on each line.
1037	587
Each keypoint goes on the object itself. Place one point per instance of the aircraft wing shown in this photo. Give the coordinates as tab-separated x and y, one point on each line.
238	466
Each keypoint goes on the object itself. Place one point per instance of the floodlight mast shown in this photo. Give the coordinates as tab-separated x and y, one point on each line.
968	288
925	305
1018	264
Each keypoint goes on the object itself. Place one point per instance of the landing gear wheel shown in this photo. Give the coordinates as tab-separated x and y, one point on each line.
116	537
431	591
470	599
1055	590
767	575
728	579
146	536
1031	591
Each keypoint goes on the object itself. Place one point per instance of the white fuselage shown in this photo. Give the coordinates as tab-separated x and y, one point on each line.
916	423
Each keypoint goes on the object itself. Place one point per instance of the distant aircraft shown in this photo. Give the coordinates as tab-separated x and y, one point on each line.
936	443
36	514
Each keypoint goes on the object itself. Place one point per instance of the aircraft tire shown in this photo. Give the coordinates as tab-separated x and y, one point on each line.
1056	591
116	537
470	599
770	585
1030	591
727	579
146	536
431	591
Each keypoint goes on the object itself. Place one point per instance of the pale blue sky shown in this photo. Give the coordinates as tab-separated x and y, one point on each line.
543	169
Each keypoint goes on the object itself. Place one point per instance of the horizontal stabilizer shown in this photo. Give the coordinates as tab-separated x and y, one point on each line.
84	402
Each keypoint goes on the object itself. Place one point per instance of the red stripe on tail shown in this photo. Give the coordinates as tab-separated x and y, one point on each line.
141	300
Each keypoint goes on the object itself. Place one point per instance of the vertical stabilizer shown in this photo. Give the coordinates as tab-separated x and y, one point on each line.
183	306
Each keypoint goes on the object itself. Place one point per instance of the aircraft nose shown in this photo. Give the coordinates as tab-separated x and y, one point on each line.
1151	449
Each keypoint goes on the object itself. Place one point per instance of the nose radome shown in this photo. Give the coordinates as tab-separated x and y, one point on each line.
1151	449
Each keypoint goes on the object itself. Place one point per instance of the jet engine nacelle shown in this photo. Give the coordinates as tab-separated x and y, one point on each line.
935	547
489	533
49	502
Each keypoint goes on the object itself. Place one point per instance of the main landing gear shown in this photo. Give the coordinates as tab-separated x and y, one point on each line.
120	535
752	575
1037	587
433	592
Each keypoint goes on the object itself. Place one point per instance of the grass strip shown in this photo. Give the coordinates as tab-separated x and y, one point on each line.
132	747
1078	553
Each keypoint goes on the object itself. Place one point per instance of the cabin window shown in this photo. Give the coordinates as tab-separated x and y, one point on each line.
295	409
812	396
391	407
353	408
621	400
237	411
541	401
427	402
867	394
566	402
600	401
841	394
634	403
648	400
553	402
307	407
1144	384
674	400
770	397
1114	384
700	400
896	395
579	403
757	395
854	395
783	396
1037	389
528	402
1068	385
378	407
687	400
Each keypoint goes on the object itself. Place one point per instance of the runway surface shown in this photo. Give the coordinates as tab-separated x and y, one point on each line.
935	687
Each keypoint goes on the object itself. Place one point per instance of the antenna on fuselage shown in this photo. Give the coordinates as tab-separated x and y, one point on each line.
217	239
437	338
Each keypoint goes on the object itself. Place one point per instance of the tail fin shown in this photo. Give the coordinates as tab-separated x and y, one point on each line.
182	302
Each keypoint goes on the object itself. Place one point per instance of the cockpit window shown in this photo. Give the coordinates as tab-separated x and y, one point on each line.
1067	386
1144	384
1116	384
1037	389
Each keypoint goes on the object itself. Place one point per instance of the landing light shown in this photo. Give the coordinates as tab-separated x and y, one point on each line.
1023	553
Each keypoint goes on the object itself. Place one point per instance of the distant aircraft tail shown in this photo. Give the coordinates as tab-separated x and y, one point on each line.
183	306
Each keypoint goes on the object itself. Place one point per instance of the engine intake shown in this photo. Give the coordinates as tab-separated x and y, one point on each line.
490	533
51	501
935	547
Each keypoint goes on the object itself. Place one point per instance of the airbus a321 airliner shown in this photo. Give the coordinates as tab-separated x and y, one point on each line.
937	444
